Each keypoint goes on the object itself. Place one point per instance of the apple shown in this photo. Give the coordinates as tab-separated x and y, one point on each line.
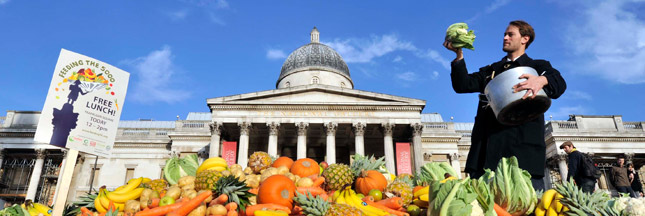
324	164
167	200
414	210
377	194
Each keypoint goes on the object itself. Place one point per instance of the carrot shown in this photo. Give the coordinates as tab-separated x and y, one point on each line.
232	206
86	212
266	206
159	211
324	196
191	204
500	211
368	198
254	190
387	209
232	212
154	202
319	181
297	210
221	199
393	202
315	191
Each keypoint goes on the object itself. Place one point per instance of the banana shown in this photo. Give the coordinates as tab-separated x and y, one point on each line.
547	198
424	197
97	203
420	203
43	209
539	211
551	211
132	184
32	211
212	162
424	190
356	201
122	197
558	204
217	168
269	213
341	198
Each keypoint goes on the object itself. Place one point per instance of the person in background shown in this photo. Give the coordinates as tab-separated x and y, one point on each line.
575	163
621	178
635	180
490	139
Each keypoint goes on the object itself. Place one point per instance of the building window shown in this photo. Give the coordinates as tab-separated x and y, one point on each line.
315	80
342	84
287	84
129	174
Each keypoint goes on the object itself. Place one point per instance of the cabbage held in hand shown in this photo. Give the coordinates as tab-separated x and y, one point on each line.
460	37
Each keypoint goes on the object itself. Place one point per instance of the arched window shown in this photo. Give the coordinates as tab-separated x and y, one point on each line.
315	80
287	84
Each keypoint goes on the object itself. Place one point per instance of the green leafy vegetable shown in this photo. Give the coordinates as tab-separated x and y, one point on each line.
512	188
460	37
176	168
435	171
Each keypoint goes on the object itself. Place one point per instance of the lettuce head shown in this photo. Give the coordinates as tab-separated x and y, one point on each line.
460	37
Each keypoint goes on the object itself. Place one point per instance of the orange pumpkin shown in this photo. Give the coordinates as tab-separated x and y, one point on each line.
277	189
282	161
305	167
369	180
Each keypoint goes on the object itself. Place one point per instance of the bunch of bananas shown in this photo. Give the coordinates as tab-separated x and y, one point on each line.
421	197
216	163
270	213
348	196
119	196
550	204
36	208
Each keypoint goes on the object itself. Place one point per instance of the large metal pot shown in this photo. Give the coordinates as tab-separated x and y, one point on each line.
509	107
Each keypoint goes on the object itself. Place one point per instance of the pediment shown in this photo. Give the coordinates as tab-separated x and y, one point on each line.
316	94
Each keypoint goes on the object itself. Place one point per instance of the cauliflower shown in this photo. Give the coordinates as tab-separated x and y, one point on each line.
634	207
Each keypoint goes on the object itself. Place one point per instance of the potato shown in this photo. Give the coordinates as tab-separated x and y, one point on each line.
199	211
283	170
236	166
248	171
304	182
132	206
226	173
188	187
207	200
217	210
174	192
189	194
186	180
146	194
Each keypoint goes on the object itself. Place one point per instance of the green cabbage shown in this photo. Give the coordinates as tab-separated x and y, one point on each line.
176	168
460	37
460	198
435	171
512	188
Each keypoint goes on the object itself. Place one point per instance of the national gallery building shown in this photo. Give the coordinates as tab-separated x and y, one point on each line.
313	112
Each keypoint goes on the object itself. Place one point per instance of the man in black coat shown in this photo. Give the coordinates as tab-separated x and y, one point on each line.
492	140
576	168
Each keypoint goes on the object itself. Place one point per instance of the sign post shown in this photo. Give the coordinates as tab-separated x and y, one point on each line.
81	112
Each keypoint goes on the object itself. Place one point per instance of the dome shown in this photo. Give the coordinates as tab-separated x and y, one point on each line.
314	57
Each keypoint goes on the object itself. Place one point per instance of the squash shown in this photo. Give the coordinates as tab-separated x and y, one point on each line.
277	189
282	161
369	180
305	167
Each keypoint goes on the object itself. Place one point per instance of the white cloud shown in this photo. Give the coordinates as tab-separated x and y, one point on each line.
178	15
154	78
434	75
407	76
215	19
577	95
217	4
491	8
364	50
435	56
563	113
4	1
611	41
276	54
397	59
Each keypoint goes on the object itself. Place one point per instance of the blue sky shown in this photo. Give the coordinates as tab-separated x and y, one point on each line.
180	53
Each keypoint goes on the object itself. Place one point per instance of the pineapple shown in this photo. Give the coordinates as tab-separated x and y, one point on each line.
159	185
400	189
236	190
407	178
260	161
86	201
319	207
337	176
206	179
363	163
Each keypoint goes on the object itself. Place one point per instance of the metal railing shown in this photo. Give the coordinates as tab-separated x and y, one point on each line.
14	177
633	125
435	125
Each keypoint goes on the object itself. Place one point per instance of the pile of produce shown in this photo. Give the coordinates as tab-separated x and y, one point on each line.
283	187
28	208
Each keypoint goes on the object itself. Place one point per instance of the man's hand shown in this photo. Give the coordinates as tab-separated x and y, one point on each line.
533	84
448	45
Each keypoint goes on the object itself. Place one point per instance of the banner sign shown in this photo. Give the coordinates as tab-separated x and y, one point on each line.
83	105
403	160
229	152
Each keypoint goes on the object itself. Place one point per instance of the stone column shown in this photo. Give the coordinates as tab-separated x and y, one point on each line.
35	174
274	128
302	139
60	172
417	146
216	132
454	162
243	154
331	127
562	165
359	138
388	146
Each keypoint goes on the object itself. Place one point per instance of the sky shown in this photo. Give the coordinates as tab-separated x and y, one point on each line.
180	53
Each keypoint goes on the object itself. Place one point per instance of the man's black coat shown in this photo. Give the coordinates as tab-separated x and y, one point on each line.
491	140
